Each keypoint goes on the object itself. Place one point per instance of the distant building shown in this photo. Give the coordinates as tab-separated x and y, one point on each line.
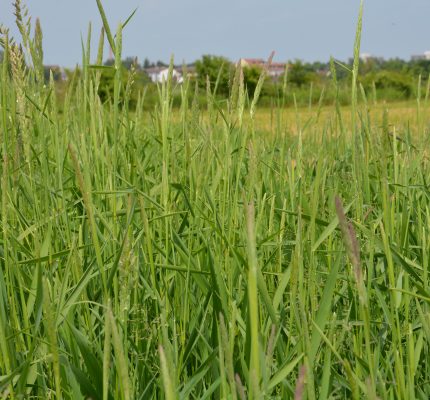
251	62
189	71
365	57
275	70
424	56
160	74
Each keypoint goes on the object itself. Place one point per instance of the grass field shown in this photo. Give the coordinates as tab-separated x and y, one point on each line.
225	252
402	116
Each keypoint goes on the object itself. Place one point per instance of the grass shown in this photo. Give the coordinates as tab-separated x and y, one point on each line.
197	254
401	115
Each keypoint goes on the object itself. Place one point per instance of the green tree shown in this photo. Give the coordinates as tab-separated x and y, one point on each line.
251	75
107	79
56	73
420	67
147	63
212	67
394	84
128	62
394	64
299	73
106	86
109	62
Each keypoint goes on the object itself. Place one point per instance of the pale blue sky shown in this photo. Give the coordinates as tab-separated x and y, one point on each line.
304	29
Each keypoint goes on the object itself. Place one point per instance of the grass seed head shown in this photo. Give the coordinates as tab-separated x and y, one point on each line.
352	246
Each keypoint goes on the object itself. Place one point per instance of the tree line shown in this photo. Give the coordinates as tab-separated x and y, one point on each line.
302	82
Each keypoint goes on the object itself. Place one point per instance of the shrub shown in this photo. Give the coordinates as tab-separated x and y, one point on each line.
215	68
397	84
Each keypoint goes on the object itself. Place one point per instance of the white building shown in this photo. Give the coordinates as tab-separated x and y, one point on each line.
424	56
160	74
365	57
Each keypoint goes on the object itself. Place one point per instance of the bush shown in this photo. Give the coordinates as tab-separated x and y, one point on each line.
398	85
251	75
300	74
212	67
106	87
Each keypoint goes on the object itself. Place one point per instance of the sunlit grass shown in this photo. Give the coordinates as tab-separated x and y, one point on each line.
402	116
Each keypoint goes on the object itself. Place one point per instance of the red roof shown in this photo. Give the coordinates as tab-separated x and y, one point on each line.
254	61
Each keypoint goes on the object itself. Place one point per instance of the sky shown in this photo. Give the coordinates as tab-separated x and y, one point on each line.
310	30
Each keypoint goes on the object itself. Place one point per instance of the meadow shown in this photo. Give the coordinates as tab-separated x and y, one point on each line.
221	252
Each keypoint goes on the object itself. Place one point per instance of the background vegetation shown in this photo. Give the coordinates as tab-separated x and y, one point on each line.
309	83
395	80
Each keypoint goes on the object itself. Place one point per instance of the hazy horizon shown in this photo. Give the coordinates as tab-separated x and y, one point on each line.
303	29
